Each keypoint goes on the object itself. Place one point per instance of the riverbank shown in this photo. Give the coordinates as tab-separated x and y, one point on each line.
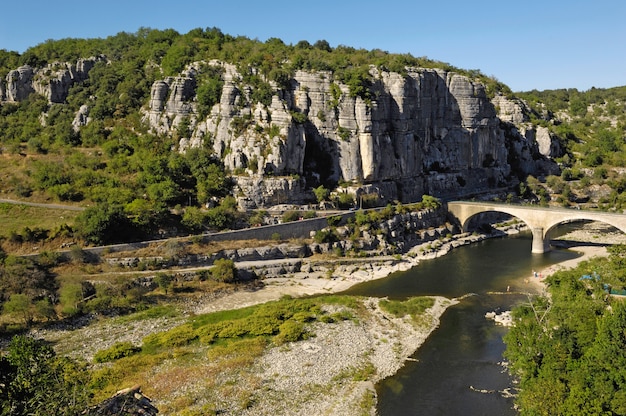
313	361
590	240
338	275
333	372
587	252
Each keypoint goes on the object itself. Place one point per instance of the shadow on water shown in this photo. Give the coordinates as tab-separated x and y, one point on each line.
458	369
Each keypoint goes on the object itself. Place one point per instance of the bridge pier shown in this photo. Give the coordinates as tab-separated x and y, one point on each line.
540	243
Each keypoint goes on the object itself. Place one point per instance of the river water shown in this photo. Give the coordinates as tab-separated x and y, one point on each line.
458	370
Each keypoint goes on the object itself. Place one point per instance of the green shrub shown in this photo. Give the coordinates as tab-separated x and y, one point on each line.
164	281
290	331
298	118
345	200
325	236
176	337
233	329
334	220
35	381
291	215
413	306
224	270
115	352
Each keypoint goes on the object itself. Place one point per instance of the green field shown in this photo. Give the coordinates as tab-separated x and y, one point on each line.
14	217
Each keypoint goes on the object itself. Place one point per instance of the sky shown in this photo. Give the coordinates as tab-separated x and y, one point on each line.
532	44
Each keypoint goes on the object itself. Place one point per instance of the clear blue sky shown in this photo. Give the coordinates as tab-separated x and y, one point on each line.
545	44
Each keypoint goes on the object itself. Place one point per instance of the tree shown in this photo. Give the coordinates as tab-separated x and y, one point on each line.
34	381
71	295
224	270
19	305
164	281
569	350
103	223
599	383
321	193
44	309
322	45
194	219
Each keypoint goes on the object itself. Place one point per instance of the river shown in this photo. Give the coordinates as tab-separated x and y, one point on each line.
458	370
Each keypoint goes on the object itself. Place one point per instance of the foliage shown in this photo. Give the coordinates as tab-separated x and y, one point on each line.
290	331
115	352
321	193
413	307
345	200
71	294
590	126
19	304
164	280
430	202
290	215
224	270
281	320
257	218
103	224
209	89
568	350
325	236
35	381
23	276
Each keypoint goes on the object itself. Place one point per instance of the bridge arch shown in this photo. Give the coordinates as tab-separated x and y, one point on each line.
467	221
608	221
540	220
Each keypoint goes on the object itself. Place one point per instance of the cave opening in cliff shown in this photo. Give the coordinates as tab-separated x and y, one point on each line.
319	163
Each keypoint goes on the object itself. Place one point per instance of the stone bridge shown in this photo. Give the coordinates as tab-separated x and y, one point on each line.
540	220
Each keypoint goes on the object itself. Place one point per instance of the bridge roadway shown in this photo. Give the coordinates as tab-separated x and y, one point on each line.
540	220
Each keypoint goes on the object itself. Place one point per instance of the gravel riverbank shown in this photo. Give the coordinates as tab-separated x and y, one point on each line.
333	372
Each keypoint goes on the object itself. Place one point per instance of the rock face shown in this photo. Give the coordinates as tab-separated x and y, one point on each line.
532	147
429	131
53	81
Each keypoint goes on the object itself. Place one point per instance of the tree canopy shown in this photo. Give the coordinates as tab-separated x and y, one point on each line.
569	350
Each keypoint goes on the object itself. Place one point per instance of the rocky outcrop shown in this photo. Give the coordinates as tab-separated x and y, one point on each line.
532	148
19	84
429	131
52	81
129	402
81	118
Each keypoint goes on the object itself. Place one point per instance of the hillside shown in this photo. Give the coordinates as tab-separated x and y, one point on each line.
147	128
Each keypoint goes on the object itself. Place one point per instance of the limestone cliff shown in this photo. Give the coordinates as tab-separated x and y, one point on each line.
52	81
532	148
427	131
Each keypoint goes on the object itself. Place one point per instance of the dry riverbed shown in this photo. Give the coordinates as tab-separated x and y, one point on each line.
333	372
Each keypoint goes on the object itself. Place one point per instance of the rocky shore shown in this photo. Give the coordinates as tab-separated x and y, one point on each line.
290	373
321	375
315	376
